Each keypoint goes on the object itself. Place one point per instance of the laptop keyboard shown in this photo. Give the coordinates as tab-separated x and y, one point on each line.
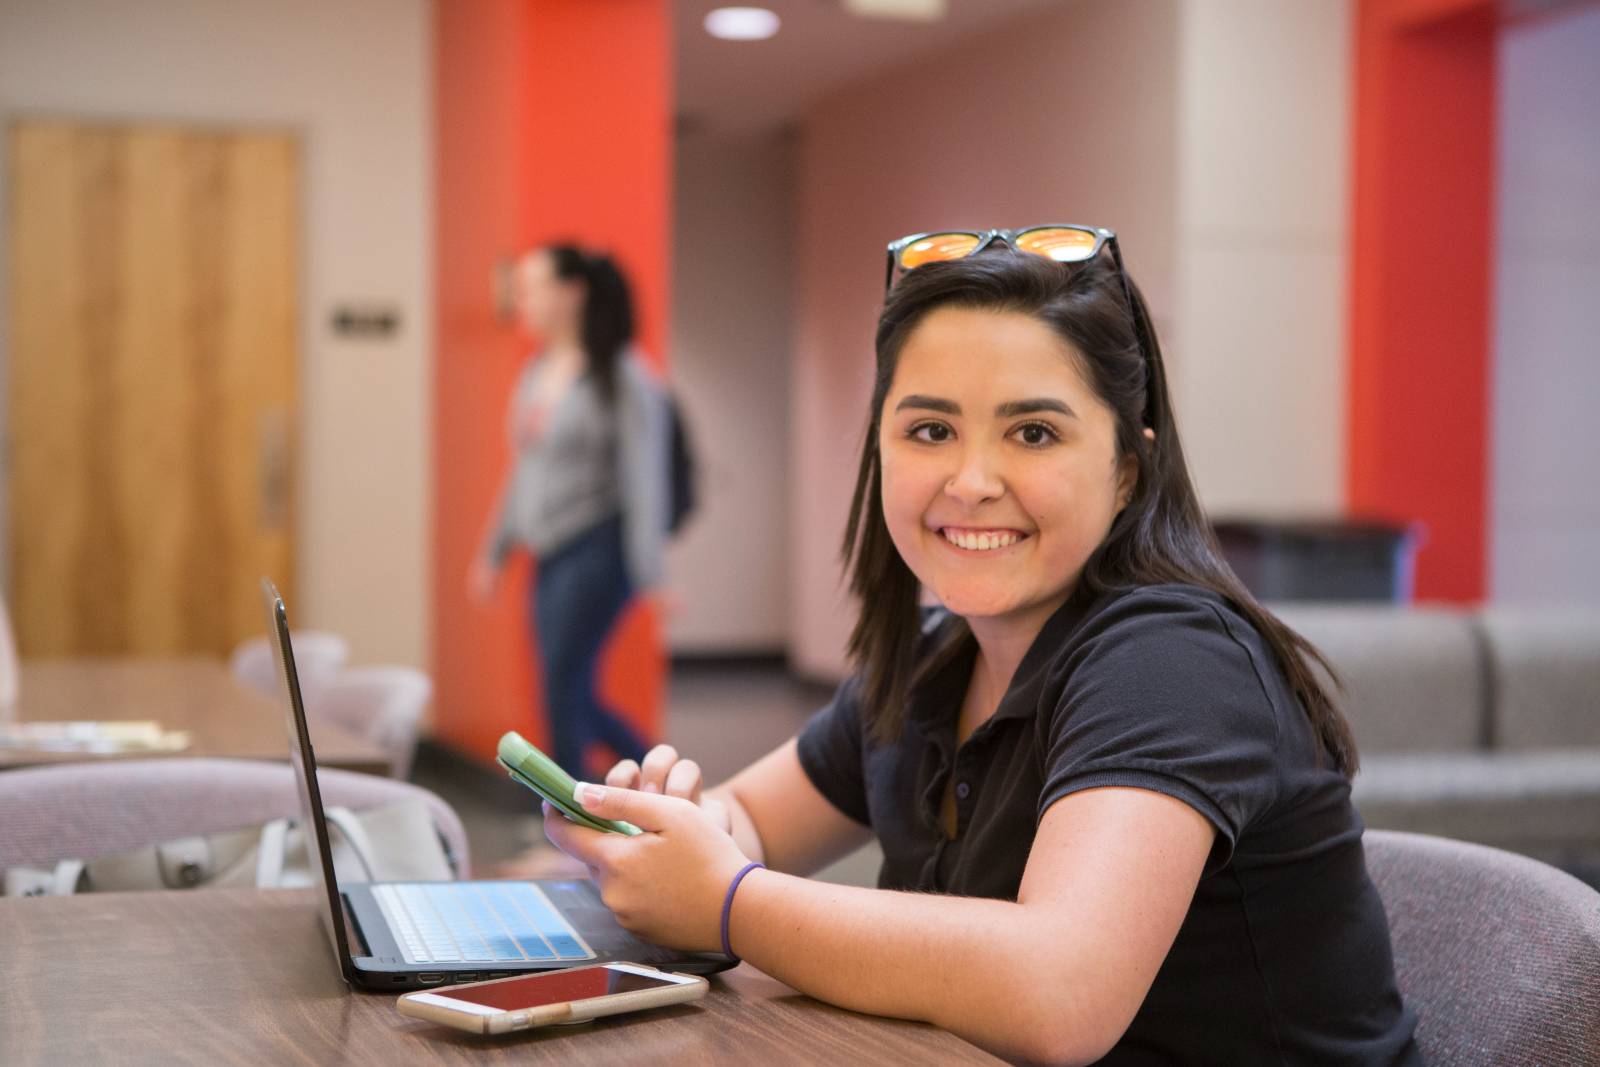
499	922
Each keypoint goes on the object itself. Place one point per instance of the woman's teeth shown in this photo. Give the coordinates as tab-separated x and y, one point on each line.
980	541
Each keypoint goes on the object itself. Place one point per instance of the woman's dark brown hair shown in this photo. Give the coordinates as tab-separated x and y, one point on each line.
1161	536
606	322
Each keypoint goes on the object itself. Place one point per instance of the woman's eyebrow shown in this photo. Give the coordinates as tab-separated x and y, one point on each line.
931	403
1012	408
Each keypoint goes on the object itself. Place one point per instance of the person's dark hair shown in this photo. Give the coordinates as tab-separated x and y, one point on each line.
1161	535
606	321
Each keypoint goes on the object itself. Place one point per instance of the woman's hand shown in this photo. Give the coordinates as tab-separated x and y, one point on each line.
664	772
665	885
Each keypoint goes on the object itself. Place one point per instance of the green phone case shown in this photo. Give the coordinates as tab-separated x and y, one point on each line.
544	776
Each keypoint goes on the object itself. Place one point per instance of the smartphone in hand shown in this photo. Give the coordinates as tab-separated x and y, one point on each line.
544	776
577	994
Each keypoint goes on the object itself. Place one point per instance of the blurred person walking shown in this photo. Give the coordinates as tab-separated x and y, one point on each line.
587	492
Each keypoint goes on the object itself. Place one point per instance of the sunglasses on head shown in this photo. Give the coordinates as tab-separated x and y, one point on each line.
1061	242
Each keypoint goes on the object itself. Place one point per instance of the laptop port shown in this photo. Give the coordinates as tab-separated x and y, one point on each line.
430	978
467	976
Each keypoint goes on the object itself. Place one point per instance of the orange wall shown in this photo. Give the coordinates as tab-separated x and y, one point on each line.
553	120
1421	282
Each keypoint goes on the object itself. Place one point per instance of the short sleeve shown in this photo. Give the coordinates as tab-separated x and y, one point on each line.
830	751
1165	695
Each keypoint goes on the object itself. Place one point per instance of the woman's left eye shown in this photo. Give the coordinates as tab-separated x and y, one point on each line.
1036	434
930	433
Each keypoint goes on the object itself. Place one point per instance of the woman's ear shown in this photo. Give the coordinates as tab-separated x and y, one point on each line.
1128	473
1127	479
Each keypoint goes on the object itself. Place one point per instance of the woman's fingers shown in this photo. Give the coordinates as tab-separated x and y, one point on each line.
625	775
661	772
581	843
657	763
684	780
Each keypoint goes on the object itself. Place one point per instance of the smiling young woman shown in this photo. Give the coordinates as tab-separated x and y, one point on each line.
1112	796
1001	472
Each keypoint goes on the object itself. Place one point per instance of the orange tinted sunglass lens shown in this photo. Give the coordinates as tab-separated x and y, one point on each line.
1059	243
937	247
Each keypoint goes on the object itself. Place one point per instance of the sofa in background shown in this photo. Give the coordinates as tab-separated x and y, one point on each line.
1481	725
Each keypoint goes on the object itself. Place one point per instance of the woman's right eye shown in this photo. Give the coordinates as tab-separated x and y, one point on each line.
930	432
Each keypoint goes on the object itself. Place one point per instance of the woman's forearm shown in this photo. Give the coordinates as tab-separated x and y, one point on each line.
983	969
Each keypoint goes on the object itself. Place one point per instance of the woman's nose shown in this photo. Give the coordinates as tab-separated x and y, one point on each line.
977	479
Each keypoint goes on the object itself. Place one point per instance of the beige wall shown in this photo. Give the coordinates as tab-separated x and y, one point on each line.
1257	340
732	304
355	79
1211	134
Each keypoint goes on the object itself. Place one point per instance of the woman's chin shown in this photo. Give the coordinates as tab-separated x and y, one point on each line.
974	603
999	606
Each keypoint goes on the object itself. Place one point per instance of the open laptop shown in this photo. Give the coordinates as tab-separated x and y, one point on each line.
389	935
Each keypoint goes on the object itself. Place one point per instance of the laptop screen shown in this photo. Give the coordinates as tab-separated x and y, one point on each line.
304	761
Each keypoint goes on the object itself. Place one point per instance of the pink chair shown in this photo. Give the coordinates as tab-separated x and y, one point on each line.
86	810
385	705
317	656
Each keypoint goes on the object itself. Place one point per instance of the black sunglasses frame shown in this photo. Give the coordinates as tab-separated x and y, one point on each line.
1104	239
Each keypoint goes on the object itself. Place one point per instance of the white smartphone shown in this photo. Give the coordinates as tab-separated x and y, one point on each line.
576	994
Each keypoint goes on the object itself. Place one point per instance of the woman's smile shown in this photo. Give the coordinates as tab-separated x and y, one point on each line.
986	539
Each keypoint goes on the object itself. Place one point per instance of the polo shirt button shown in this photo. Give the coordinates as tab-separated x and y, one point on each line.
962	790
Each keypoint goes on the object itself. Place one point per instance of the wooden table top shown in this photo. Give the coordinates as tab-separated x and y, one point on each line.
246	976
197	694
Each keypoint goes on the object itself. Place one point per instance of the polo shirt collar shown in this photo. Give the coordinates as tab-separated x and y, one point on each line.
936	702
1022	694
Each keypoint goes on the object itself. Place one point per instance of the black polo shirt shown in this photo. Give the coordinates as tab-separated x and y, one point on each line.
1284	956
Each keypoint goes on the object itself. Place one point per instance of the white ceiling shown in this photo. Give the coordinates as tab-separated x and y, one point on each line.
741	86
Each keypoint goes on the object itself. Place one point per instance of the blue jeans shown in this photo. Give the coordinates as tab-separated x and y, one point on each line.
575	600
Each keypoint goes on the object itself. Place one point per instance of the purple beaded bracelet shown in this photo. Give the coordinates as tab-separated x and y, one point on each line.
727	906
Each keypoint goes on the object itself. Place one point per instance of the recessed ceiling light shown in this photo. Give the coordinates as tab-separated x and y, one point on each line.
741	23
908	10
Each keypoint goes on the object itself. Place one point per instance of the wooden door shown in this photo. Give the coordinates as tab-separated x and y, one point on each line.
153	350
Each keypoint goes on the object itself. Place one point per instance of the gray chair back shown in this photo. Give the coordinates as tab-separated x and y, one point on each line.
318	655
385	705
1498	954
86	810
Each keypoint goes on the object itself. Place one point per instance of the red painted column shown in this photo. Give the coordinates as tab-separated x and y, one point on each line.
1421	291
553	121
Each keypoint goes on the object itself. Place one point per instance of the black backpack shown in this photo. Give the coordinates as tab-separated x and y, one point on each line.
683	496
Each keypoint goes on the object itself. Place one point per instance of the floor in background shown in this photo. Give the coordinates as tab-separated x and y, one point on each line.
722	717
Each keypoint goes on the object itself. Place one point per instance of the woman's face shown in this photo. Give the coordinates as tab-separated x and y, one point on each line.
1000	466
547	305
